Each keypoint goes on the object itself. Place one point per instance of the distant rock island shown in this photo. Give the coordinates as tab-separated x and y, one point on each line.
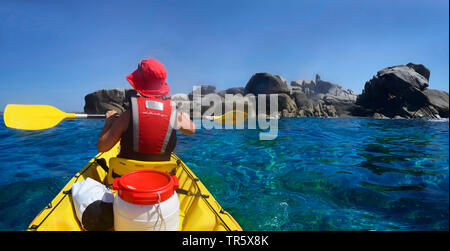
402	91
394	92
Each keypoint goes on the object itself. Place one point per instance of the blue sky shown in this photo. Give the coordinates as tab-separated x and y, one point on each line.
56	52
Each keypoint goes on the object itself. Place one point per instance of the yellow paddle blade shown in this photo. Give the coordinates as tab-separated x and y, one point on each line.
33	117
232	117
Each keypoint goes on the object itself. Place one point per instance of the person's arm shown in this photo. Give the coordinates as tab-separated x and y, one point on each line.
112	130
185	124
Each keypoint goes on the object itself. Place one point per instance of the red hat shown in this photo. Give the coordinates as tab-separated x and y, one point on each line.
149	79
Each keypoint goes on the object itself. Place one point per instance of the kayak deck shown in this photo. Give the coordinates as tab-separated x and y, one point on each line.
199	211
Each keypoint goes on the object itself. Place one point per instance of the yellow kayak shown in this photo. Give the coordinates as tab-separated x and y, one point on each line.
199	211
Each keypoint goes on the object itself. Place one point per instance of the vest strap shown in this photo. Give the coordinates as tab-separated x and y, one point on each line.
135	115
173	120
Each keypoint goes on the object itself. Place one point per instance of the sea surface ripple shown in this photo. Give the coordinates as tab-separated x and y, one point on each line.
318	174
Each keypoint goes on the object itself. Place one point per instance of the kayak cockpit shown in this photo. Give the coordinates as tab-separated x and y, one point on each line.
199	211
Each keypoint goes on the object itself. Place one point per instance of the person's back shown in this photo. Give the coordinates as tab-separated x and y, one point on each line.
148	129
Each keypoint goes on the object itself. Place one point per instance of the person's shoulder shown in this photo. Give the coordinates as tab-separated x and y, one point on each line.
125	115
123	120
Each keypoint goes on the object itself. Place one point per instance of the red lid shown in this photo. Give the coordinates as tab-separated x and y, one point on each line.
142	187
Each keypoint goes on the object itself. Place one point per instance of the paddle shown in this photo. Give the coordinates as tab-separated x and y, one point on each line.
231	117
38	117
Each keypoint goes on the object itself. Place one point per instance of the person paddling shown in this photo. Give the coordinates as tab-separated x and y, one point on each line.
147	131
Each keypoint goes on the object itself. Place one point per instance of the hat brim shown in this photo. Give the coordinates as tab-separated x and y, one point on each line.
138	83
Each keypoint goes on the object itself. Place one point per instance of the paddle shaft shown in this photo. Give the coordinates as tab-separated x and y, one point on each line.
39	117
89	116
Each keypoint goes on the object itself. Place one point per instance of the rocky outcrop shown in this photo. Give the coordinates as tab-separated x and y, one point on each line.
205	90
101	101
323	90
326	98
234	91
266	83
402	91
304	86
421	69
286	105
309	107
179	97
439	101
394	92
289	105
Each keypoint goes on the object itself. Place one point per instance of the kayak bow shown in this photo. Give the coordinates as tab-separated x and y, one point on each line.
199	211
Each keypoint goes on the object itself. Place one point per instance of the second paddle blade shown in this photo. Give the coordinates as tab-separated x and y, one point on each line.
232	117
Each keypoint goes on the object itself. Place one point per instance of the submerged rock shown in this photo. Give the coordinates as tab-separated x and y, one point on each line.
379	116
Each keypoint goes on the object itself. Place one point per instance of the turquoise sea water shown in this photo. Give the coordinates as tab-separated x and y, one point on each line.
319	174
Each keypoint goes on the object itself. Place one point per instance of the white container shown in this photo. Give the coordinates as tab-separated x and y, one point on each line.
146	201
131	217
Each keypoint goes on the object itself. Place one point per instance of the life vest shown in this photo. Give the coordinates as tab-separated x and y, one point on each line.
153	121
